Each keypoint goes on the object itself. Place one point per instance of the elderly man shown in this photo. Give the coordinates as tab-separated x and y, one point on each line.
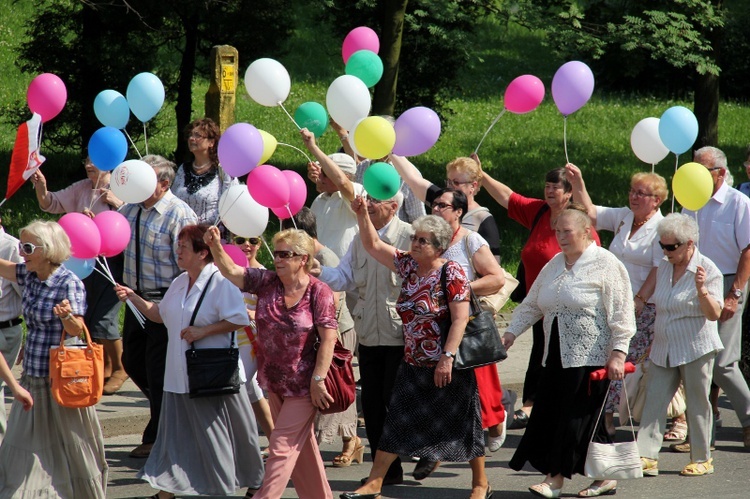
150	267
724	224
381	342
10	310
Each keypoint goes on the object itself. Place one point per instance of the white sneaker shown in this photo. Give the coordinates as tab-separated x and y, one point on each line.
494	443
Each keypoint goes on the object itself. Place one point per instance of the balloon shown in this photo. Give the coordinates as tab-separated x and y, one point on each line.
362	38
312	116
145	96
678	129
241	214
85	240
365	65
269	146
236	254
381	181
348	100
297	195
46	96
645	141
693	186
268	186
111	109
81	267
107	148
240	149
417	130
572	87
133	181
114	229
374	137
524	94
267	82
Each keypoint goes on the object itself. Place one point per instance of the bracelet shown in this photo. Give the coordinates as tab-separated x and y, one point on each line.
343	137
640	298
67	317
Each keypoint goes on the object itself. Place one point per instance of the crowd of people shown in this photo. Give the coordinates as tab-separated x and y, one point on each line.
383	281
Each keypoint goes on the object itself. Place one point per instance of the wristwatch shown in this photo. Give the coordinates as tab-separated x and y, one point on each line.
736	292
318	379
450	355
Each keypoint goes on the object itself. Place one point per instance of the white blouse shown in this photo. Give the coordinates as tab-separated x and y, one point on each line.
592	303
223	301
463	250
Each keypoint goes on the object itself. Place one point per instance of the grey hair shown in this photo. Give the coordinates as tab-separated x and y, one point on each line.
713	157
680	226
165	169
398	198
55	242
439	229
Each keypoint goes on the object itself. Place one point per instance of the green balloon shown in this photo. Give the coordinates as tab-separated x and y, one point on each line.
312	116
365	65
381	181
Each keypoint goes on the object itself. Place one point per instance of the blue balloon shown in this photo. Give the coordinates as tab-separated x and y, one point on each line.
145	96
82	267
107	148
678	129
111	109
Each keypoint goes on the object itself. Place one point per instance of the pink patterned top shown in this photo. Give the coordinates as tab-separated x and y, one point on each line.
423	307
287	336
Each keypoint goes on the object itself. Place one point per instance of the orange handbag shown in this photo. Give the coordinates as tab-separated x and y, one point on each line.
76	372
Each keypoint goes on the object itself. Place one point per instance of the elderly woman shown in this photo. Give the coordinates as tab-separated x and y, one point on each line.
636	244
208	445
201	182
92	196
50	447
295	312
584	296
688	298
434	410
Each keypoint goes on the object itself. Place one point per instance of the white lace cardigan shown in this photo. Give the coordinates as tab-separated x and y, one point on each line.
593	304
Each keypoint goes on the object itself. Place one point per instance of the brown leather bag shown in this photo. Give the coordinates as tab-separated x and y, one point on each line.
77	372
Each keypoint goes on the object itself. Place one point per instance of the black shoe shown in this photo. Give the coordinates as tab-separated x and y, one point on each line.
520	420
357	495
424	468
388	480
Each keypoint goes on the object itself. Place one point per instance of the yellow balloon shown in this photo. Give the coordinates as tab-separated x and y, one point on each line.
693	186
269	146
374	137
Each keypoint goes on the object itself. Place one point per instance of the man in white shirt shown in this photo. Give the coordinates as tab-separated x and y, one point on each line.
724	224
10	310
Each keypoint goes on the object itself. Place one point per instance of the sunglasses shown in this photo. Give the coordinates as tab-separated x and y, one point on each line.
285	255
441	206
670	247
27	248
420	240
239	240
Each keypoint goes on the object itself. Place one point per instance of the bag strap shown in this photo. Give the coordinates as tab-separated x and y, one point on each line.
84	332
625	391
538	216
474	307
198	305
469	256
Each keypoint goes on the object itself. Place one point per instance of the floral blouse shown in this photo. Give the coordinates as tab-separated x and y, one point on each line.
423	307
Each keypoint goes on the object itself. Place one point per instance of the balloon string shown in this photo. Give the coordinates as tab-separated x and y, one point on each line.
145	136
565	138
676	162
3	201
221	208
266	245
488	130
133	143
290	116
289	210
298	150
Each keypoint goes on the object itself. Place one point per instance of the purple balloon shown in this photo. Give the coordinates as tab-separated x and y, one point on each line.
240	149
417	130
572	87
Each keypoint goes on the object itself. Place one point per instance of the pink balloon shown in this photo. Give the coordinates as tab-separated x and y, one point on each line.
524	94
115	232
85	240
362	38
572	87
297	195
240	149
236	254
417	130
47	96
268	186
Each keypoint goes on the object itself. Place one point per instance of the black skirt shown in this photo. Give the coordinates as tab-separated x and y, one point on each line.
438	424
562	421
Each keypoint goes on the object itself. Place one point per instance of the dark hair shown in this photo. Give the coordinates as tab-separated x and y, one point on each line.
194	235
557	176
305	220
212	132
459	200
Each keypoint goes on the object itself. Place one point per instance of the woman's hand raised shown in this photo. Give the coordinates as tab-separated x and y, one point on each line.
212	237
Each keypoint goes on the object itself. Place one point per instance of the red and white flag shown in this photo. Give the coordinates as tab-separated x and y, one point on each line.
26	158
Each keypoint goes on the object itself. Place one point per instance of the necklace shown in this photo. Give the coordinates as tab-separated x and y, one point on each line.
567	263
639	224
198	169
455	233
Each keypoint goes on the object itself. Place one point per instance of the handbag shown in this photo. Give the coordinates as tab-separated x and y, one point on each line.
339	381
615	461
519	293
212	371
481	344
76	372
494	302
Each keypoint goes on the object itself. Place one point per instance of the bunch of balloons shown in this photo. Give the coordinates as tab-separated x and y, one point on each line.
107	234
145	99
360	53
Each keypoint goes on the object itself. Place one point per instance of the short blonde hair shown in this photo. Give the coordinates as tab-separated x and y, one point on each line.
654	181
54	241
577	213
300	242
468	166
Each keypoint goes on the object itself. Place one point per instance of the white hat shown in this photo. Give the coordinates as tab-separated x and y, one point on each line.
345	162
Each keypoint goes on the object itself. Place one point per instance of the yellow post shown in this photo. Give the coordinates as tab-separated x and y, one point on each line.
221	95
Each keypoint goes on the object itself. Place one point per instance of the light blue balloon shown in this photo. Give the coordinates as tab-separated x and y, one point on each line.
678	129
107	148
145	96
82	267
111	109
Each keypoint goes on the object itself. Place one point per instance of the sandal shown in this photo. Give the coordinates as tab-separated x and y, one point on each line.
114	383
605	488
678	431
698	469
357	454
545	490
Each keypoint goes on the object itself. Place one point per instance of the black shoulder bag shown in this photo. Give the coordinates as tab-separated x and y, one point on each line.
212	371
519	293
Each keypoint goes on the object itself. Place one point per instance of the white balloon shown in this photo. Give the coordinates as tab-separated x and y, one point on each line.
348	101
646	143
241	214
267	81
133	181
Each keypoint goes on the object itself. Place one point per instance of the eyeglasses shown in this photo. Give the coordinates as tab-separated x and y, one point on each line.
196	136
670	247
456	183
285	255
420	240
239	240
714	168
27	248
372	200
441	206
639	194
